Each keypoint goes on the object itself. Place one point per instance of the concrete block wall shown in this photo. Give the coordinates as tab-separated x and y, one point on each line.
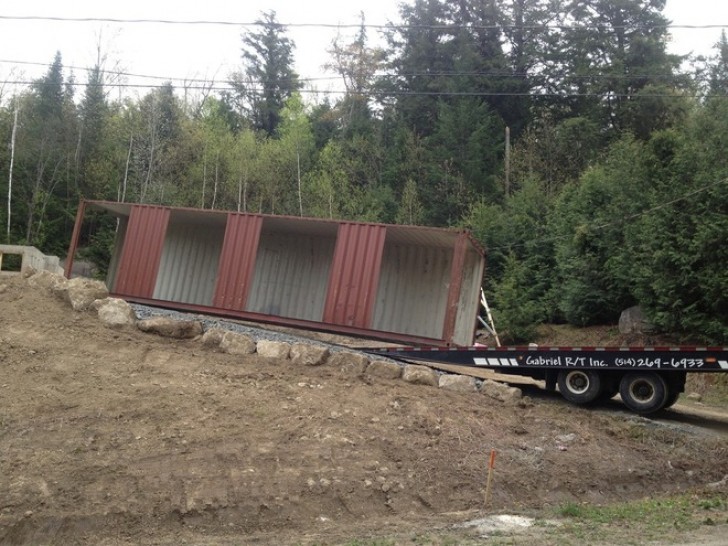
31	258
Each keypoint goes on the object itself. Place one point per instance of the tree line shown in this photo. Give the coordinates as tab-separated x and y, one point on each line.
561	132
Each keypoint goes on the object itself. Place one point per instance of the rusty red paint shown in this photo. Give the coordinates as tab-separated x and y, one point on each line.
353	283
354	276
74	239
293	323
456	283
237	261
142	251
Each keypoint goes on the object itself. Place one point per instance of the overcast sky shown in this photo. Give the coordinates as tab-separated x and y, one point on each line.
213	51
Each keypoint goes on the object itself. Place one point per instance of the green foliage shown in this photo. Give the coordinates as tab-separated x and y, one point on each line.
718	67
589	225
515	312
268	80
410	207
679	248
616	181
520	274
657	513
100	243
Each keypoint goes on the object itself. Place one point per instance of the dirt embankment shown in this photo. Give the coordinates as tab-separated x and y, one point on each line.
120	437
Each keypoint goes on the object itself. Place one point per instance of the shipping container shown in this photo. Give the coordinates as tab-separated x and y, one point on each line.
400	283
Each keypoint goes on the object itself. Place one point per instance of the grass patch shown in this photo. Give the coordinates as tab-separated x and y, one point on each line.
684	512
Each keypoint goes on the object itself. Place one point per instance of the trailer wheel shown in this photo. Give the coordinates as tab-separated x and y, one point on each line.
580	386
643	393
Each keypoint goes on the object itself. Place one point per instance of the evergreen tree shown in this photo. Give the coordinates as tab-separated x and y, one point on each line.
611	51
357	65
591	228
46	145
94	114
268	79
718	68
677	248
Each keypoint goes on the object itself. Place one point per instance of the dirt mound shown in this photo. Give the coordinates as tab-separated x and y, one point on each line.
120	437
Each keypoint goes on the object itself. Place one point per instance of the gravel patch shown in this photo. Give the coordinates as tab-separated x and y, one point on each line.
255	332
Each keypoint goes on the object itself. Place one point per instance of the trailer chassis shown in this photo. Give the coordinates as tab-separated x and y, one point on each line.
648	379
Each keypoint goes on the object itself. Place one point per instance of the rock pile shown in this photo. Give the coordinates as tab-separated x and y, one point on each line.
86	294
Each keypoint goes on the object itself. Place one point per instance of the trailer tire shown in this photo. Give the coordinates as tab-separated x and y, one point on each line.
580	386
643	392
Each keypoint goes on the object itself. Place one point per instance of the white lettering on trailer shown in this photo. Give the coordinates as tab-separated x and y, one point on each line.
495	361
543	361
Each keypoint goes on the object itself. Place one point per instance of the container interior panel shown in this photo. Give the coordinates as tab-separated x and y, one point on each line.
291	275
413	289
189	264
469	298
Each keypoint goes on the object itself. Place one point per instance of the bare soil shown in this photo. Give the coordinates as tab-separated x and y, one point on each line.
118	437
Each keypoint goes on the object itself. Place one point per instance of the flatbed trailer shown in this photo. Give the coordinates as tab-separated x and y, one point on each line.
648	379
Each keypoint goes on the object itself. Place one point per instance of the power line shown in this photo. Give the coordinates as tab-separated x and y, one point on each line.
346	25
385	76
215	86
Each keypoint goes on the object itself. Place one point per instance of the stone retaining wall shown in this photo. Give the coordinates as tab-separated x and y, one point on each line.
117	313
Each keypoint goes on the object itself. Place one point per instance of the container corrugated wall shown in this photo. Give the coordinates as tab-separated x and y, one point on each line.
417	285
237	261
188	268
355	275
139	263
291	271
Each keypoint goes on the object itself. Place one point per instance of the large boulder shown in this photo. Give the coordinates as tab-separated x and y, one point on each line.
308	355
500	391
633	321
461	383
114	312
81	292
237	344
420	375
46	280
213	337
384	369
273	349
349	362
169	327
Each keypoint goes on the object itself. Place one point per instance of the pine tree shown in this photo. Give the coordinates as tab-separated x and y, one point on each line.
269	78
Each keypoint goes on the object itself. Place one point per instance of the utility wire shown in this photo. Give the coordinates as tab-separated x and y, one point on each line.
489	74
352	25
384	77
377	93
